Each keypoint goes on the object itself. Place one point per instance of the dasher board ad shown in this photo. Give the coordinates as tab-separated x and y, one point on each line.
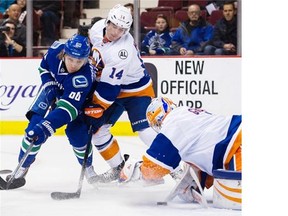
213	84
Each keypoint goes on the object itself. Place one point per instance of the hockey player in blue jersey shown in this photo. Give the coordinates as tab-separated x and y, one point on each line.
67	82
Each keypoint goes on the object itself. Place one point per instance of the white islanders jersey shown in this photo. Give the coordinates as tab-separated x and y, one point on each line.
123	73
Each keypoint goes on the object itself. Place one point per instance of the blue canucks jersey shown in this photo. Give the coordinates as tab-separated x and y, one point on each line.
75	87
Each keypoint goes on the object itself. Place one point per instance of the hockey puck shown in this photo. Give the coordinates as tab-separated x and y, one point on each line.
162	203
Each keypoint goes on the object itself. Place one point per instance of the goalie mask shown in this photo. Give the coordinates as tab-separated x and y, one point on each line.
157	111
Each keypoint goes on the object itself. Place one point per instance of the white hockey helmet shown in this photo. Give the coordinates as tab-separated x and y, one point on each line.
120	16
157	111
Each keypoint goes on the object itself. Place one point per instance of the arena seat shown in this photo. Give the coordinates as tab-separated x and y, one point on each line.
215	16
148	18
168	4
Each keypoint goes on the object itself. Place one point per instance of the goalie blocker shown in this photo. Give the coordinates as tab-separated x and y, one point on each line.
227	189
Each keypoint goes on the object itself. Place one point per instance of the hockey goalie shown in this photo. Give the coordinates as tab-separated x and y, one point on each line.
206	142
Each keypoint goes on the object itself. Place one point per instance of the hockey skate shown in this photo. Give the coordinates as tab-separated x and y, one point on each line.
112	174
90	174
106	177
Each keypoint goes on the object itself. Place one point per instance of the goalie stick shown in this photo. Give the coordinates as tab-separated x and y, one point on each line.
188	176
75	195
13	183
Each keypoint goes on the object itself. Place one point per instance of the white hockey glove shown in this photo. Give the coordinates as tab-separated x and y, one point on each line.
187	193
131	171
189	188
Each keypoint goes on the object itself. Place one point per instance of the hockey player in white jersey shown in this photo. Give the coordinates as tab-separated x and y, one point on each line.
124	85
203	140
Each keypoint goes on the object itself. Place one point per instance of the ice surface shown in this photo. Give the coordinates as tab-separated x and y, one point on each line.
56	169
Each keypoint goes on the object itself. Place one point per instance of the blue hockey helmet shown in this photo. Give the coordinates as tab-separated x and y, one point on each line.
77	46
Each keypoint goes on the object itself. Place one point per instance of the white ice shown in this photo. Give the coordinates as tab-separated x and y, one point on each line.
56	169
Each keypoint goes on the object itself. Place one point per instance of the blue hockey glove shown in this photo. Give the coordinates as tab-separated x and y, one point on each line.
94	116
52	90
40	133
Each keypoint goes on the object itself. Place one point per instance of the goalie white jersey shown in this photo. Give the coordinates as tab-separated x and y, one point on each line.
122	70
204	140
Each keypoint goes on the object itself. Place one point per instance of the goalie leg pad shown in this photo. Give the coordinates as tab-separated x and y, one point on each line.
227	189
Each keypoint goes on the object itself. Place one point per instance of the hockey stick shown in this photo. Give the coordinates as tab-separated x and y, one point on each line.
199	197
188	176
76	195
19	182
175	191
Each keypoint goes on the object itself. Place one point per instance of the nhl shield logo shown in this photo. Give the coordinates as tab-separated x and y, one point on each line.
123	54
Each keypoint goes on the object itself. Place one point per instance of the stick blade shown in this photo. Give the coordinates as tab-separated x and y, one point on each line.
64	195
16	183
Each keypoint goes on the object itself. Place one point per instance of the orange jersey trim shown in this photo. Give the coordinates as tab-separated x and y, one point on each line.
149	91
235	152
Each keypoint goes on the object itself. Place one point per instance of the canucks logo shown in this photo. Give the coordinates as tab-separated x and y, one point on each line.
78	45
80	81
123	54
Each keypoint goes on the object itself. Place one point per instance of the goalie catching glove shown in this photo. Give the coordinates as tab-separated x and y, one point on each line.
40	133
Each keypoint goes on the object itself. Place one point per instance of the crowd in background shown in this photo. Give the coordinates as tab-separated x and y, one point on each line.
194	35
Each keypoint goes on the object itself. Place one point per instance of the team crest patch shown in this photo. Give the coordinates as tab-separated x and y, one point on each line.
79	81
123	54
42	105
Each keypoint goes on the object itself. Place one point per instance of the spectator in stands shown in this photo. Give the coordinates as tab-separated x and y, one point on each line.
13	13
22	19
48	12
192	35
217	3
158	41
72	13
91	3
94	20
4	5
10	46
23	15
224	40
130	6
